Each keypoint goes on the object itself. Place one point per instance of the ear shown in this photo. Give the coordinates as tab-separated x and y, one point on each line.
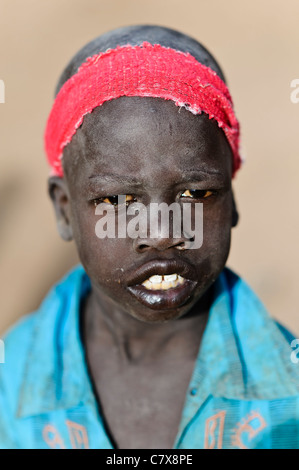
59	195
235	214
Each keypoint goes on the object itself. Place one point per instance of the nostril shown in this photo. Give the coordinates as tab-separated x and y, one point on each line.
142	247
180	246
183	245
163	243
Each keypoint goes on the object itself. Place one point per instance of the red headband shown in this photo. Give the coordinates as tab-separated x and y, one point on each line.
146	70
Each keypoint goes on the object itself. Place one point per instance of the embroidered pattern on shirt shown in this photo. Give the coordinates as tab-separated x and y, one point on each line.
78	435
52	437
251	425
214	431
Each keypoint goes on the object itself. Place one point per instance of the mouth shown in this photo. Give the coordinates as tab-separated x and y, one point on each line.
163	284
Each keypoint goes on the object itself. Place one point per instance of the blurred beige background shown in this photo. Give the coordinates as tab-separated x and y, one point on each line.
257	44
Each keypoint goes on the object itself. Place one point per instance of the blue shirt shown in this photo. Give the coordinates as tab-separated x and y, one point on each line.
244	391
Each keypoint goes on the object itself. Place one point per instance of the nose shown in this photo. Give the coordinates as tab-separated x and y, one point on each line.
161	244
164	229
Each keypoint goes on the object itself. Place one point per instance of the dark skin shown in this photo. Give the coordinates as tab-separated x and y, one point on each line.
141	358
141	351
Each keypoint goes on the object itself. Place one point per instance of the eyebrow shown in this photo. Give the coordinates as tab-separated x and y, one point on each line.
113	177
190	175
200	174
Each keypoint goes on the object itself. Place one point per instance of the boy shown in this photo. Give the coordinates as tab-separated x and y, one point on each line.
153	343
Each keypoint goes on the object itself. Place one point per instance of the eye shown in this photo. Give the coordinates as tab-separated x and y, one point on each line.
113	200
197	193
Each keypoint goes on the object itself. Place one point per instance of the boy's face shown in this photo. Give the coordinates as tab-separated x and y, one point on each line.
151	151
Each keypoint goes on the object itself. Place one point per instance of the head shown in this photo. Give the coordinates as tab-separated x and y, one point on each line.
152	151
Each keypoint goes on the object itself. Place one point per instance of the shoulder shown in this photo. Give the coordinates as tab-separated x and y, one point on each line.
16	344
263	344
246	305
29	347
20	336
16	347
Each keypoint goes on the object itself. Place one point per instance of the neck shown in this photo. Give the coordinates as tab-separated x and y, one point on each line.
138	341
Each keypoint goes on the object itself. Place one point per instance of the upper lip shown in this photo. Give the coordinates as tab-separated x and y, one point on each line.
161	267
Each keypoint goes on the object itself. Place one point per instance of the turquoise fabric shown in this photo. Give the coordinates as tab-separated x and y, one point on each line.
244	392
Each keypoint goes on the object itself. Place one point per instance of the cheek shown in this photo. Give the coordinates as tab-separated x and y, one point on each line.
217	221
103	258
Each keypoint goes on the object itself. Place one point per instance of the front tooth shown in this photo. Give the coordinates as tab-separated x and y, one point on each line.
156	279
165	282
147	284
170	277
166	285
156	285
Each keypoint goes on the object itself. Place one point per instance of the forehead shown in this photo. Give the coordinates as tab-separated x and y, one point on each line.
134	135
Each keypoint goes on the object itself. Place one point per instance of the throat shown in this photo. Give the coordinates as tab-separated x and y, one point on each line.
140	375
134	342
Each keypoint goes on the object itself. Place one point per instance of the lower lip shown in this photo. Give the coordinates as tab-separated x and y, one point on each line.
172	298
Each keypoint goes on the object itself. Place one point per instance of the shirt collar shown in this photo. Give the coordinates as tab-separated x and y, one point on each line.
55	375
238	334
243	353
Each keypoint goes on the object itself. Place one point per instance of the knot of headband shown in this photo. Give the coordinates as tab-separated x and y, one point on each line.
146	70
